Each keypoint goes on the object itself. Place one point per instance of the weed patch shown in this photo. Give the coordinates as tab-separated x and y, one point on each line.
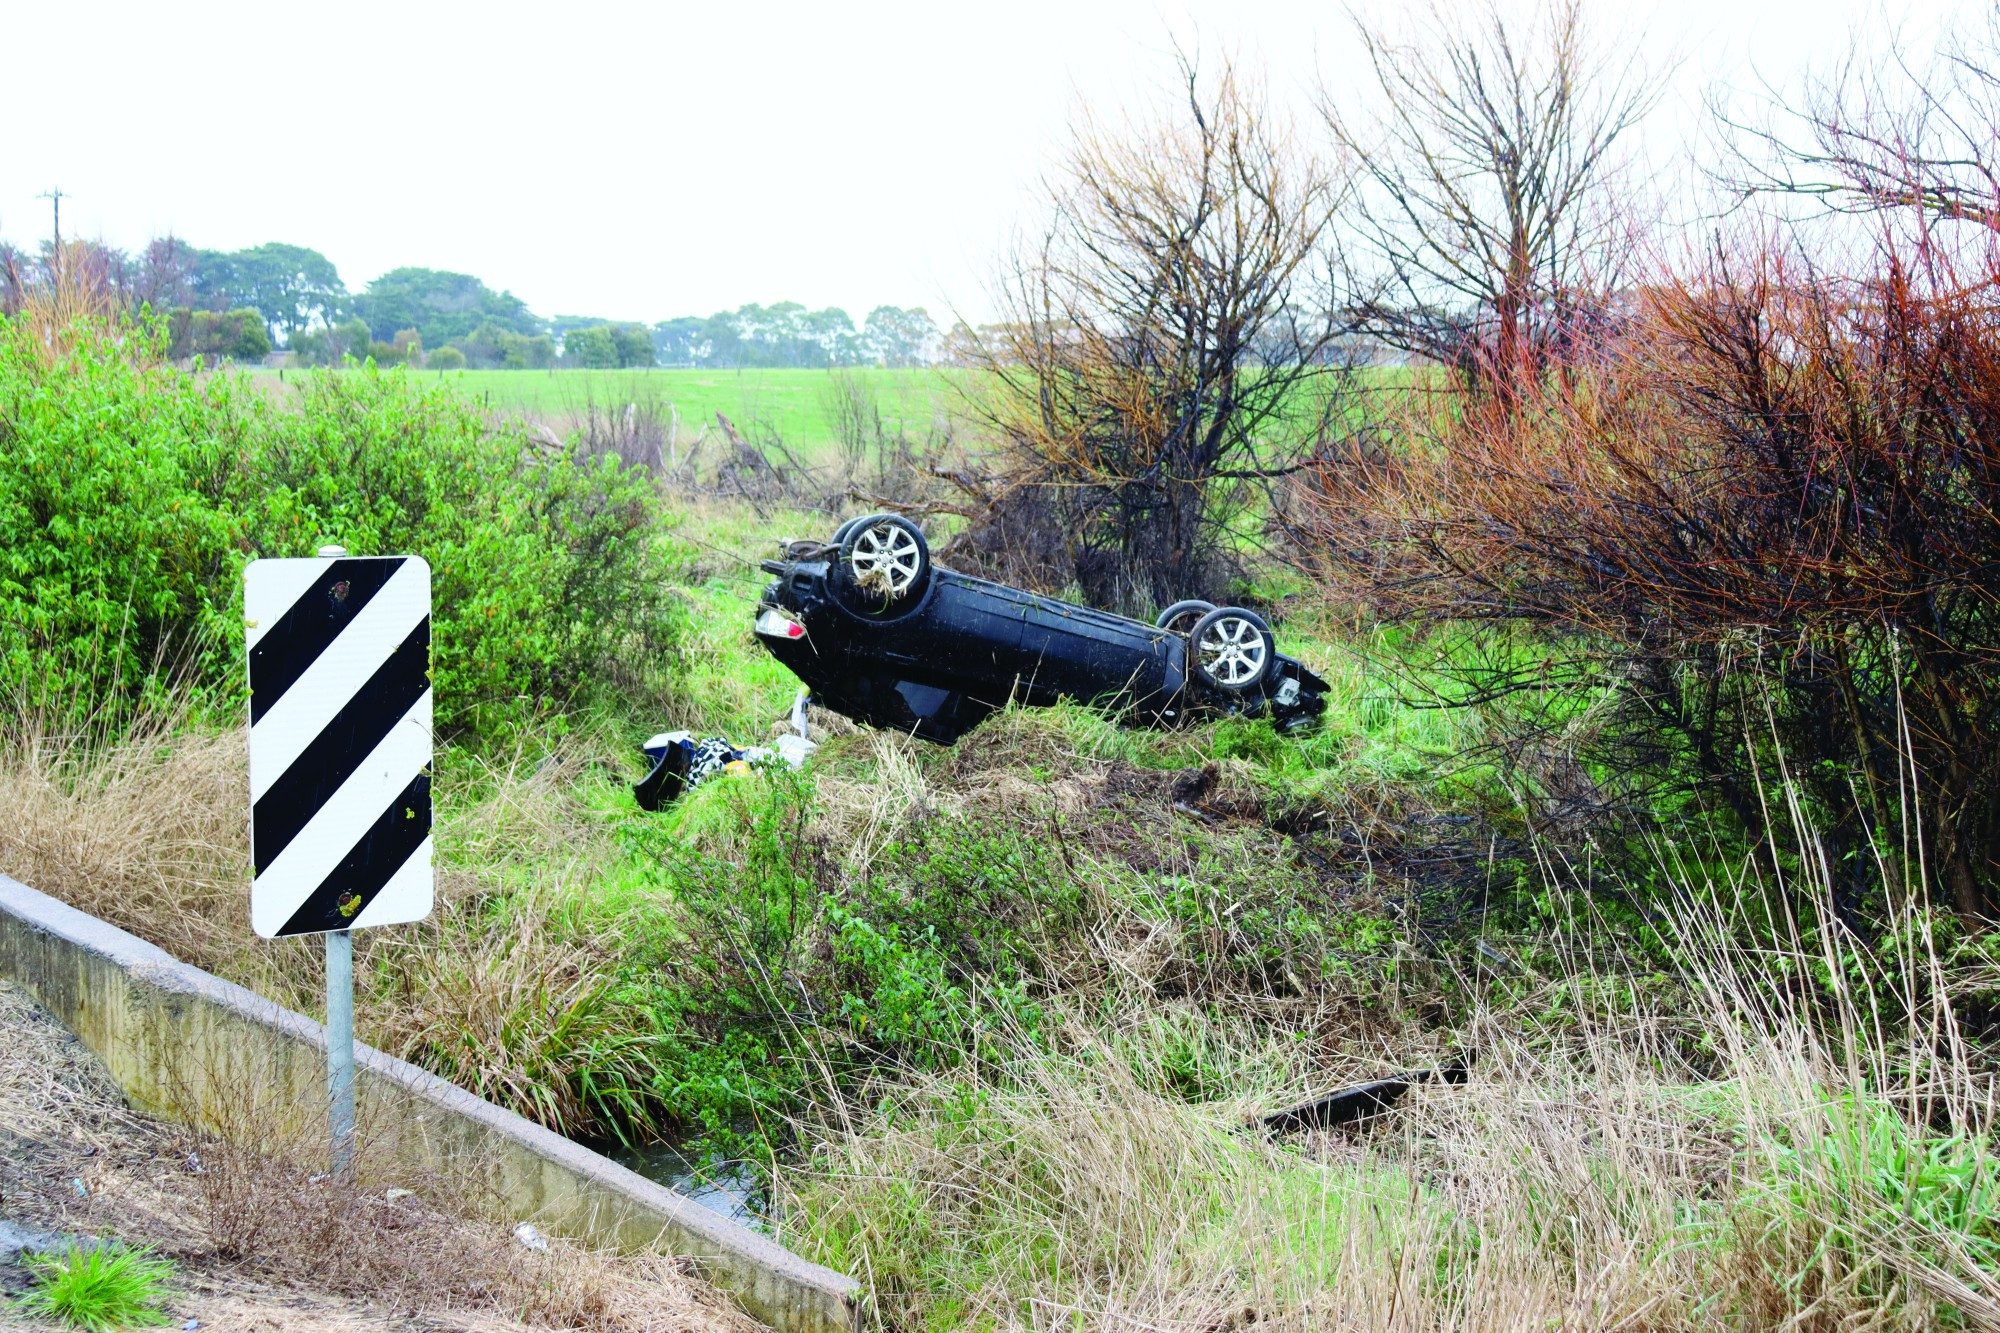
100	1288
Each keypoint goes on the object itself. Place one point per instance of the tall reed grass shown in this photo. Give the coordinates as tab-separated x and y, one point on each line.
1773	1129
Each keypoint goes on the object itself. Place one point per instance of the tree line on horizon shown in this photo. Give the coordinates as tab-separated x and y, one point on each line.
243	305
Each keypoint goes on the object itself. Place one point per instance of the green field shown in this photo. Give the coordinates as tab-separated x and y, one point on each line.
799	406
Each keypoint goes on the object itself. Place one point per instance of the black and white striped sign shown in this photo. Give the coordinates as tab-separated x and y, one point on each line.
340	742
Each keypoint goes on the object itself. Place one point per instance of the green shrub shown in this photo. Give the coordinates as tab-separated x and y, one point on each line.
116	540
99	1288
593	348
492	346
332	345
769	972
544	569
131	496
987	898
445	358
214	335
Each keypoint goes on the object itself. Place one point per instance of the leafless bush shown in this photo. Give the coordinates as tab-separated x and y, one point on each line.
1016	536
1160	357
1771	503
645	433
74	285
410	1243
762	471
857	419
1886	131
1483	235
635	435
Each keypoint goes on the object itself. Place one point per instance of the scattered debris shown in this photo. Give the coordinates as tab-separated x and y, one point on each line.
682	760
1495	958
1362	1101
530	1235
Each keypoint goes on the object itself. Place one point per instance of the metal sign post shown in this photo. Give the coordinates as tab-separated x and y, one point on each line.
340	768
340	1047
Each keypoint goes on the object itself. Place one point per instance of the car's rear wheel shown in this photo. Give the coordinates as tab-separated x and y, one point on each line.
1180	617
1232	650
884	562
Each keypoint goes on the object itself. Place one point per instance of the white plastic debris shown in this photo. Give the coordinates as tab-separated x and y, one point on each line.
530	1235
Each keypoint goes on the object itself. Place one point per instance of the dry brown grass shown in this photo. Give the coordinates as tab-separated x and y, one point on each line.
1575	1191
859	816
500	990
148	832
422	1250
1722	1153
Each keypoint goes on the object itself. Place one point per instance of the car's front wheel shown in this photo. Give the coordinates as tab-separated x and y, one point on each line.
1232	650
884	562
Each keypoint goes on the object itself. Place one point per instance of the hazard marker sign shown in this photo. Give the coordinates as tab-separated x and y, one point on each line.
340	742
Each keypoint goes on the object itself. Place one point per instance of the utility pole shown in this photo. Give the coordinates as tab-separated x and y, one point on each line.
55	197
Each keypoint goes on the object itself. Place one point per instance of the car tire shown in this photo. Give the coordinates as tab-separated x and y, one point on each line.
840	533
1180	617
883	564
1231	650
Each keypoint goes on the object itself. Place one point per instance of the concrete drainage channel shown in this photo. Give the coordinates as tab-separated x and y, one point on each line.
182	1042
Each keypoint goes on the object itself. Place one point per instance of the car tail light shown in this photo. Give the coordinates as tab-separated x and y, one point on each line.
775	624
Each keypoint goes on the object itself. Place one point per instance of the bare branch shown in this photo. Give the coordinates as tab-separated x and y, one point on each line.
1484	234
1157	338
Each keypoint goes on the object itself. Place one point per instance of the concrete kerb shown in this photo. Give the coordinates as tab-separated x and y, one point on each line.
180	1042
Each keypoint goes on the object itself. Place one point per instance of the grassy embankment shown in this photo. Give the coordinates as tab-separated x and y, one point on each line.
999	1010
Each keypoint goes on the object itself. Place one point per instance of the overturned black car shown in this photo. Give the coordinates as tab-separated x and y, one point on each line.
885	636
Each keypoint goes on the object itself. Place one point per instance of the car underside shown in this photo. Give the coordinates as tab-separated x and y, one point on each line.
882	634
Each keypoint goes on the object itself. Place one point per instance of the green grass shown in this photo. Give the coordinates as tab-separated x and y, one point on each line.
799	406
100	1288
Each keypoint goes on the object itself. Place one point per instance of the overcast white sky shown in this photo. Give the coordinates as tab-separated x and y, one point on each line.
638	161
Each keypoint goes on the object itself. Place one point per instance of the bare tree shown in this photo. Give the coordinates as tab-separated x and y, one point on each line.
1487	152
1159	342
1885	133
162	276
17	277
